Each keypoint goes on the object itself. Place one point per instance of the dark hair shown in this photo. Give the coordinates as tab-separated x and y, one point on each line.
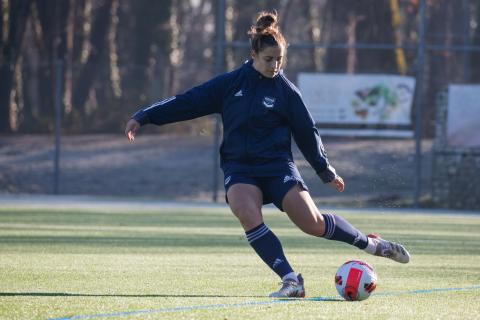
265	33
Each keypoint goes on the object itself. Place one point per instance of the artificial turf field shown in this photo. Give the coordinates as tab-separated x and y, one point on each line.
194	263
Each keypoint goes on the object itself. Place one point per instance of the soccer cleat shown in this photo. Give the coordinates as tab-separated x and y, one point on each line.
387	249
290	289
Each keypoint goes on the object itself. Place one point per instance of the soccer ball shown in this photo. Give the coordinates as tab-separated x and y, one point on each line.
355	280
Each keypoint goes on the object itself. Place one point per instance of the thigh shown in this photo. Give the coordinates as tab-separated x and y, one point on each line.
275	188
245	201
300	208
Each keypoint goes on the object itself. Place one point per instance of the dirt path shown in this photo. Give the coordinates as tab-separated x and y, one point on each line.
166	167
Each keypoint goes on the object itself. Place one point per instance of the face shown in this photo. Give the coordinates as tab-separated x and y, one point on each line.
268	61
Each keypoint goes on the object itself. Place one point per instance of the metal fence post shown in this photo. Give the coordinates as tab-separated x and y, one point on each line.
419	104
219	66
58	116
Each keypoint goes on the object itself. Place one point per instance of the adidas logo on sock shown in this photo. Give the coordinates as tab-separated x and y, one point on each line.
277	262
357	238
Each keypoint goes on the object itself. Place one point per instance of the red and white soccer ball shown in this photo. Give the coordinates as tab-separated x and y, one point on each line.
355	280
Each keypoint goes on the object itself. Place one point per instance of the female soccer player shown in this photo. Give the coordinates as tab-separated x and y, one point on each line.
261	110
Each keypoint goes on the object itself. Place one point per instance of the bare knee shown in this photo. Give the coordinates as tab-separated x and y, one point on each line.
248	215
316	226
246	204
301	209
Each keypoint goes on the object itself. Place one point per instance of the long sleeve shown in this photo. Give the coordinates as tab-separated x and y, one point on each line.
199	101
308	139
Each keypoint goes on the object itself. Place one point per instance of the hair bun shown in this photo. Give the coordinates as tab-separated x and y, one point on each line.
266	20
265	32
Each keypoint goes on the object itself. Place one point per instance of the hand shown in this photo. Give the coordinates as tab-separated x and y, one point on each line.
132	126
337	184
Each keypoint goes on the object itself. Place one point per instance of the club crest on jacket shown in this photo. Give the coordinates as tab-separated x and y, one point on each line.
268	102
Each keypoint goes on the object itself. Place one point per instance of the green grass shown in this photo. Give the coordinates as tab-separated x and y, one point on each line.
66	263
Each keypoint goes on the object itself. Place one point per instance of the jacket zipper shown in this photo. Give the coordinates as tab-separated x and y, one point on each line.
249	120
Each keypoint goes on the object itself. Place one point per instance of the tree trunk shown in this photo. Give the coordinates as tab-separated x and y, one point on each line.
475	55
9	53
337	19
375	26
89	72
360	21
315	23
400	57
150	22
351	30
52	17
444	67
1	26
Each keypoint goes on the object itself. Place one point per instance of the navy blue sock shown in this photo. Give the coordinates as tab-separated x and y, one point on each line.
268	247
337	228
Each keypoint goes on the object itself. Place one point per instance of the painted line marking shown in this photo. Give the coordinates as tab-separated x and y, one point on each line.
255	303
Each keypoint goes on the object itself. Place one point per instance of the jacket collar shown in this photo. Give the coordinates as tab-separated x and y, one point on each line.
248	66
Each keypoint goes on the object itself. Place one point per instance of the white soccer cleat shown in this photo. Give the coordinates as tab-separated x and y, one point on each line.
290	289
387	249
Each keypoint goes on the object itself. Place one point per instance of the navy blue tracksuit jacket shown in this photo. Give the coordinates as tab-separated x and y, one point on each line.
260	115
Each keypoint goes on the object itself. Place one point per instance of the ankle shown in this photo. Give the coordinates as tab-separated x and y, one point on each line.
371	246
290	276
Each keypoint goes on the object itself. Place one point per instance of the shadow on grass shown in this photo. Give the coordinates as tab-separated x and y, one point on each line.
65	294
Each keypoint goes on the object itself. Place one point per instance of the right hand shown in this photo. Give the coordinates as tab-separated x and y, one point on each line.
131	127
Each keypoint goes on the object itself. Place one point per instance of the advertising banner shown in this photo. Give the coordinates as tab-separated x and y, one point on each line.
463	116
365	105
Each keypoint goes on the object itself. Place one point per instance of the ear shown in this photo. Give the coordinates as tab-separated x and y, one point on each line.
253	54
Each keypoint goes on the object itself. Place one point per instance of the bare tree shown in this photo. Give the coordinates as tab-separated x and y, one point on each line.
400	57
442	66
143	45
375	26
52	19
118	55
475	56
336	19
89	71
314	13
10	44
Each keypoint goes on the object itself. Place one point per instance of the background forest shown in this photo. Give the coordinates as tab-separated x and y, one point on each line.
112	56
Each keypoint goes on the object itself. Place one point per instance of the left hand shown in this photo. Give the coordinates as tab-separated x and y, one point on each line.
337	184
131	128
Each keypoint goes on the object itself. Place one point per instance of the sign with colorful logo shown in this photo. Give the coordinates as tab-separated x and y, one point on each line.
377	105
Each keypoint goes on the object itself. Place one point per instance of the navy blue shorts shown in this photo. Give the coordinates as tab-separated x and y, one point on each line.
273	188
